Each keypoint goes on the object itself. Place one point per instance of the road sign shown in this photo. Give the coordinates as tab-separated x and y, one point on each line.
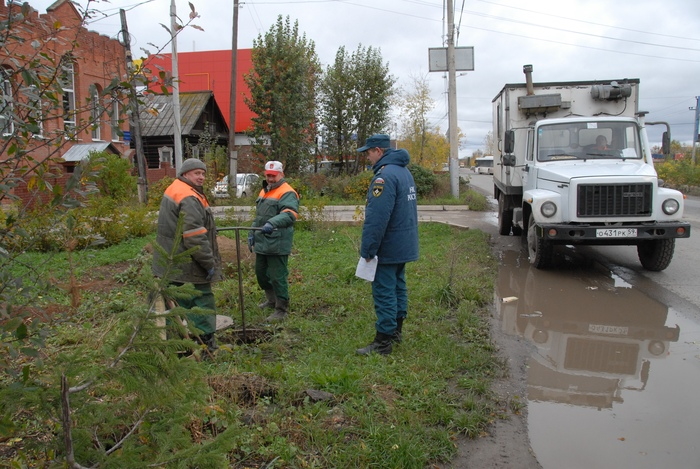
464	59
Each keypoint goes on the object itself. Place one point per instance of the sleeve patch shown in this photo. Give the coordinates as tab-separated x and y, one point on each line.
377	190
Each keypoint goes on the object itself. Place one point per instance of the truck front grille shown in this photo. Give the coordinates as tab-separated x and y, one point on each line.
614	200
601	356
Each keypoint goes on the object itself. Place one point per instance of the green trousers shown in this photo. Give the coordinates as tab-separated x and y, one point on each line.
205	323
272	273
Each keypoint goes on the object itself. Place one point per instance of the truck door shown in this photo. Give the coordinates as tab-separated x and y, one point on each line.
529	168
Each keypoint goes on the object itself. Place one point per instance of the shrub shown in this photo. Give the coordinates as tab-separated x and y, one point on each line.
357	186
155	192
311	214
111	222
425	180
476	201
315	183
111	174
679	173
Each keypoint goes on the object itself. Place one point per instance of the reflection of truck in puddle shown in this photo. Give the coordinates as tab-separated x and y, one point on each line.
595	337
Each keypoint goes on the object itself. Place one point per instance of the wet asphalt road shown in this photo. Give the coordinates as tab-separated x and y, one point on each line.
614	372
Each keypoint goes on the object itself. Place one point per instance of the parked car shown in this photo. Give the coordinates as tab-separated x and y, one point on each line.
246	184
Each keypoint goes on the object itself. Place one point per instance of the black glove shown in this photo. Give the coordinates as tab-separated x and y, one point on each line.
267	228
251	241
210	274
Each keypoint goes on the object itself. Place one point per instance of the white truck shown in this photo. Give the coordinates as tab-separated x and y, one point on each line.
573	166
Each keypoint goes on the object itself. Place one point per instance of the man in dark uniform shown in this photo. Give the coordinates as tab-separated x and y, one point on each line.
390	232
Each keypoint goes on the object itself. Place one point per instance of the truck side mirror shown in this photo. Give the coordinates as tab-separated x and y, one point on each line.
509	141
508	160
665	144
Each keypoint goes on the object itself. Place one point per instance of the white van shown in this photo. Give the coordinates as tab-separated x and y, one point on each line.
484	165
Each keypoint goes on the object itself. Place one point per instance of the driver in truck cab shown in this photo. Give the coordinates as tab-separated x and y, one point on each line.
601	143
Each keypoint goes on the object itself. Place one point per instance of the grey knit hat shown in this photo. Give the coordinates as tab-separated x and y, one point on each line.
190	164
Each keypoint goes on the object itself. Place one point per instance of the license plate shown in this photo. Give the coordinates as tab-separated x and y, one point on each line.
616	233
603	329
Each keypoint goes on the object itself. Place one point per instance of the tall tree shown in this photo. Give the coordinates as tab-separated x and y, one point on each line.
355	97
283	83
427	146
338	108
374	89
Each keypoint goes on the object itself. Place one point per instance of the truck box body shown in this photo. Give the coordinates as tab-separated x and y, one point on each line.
573	166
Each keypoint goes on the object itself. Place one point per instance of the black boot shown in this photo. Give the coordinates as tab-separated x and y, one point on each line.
270	300
281	310
380	345
210	341
396	337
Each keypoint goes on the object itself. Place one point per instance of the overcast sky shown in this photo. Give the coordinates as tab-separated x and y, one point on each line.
565	40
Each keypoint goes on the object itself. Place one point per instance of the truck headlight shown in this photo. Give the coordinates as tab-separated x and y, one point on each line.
670	206
548	209
656	348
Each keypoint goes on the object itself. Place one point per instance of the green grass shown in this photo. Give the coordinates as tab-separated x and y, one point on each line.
396	411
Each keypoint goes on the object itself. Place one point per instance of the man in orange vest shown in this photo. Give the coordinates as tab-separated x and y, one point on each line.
185	199
277	208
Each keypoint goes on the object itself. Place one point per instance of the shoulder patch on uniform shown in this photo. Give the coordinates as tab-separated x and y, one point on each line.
377	190
379	181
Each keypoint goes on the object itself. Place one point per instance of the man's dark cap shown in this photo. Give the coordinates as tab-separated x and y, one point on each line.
376	141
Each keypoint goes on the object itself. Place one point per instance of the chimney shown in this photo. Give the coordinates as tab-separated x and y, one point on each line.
527	70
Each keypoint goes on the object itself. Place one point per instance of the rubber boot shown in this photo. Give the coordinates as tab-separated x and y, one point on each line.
270	301
210	342
281	311
380	345
396	337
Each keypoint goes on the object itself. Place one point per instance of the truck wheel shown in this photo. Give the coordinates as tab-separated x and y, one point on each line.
539	250
505	217
656	255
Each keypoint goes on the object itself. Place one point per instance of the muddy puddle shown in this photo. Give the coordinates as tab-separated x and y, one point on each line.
614	375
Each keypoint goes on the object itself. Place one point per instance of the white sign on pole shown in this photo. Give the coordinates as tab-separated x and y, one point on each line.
464	59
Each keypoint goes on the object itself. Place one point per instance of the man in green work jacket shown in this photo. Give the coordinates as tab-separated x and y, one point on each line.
277	208
185	199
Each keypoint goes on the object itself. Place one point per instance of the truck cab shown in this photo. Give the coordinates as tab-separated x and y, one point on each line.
574	166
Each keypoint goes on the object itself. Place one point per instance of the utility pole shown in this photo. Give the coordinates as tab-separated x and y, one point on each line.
134	118
696	127
232	153
177	121
452	100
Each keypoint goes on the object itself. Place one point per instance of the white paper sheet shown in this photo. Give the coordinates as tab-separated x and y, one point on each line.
366	269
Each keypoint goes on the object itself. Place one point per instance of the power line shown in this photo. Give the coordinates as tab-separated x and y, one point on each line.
590	22
587	47
485	15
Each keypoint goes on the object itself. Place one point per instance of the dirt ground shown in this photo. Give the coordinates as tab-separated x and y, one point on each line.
505	444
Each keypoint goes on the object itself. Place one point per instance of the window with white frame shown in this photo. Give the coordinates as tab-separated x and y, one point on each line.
95	113
7	125
36	111
114	116
67	81
166	155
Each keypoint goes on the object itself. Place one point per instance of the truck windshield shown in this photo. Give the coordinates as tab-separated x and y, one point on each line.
588	140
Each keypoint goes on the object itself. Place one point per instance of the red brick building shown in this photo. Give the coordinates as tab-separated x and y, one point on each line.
62	112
